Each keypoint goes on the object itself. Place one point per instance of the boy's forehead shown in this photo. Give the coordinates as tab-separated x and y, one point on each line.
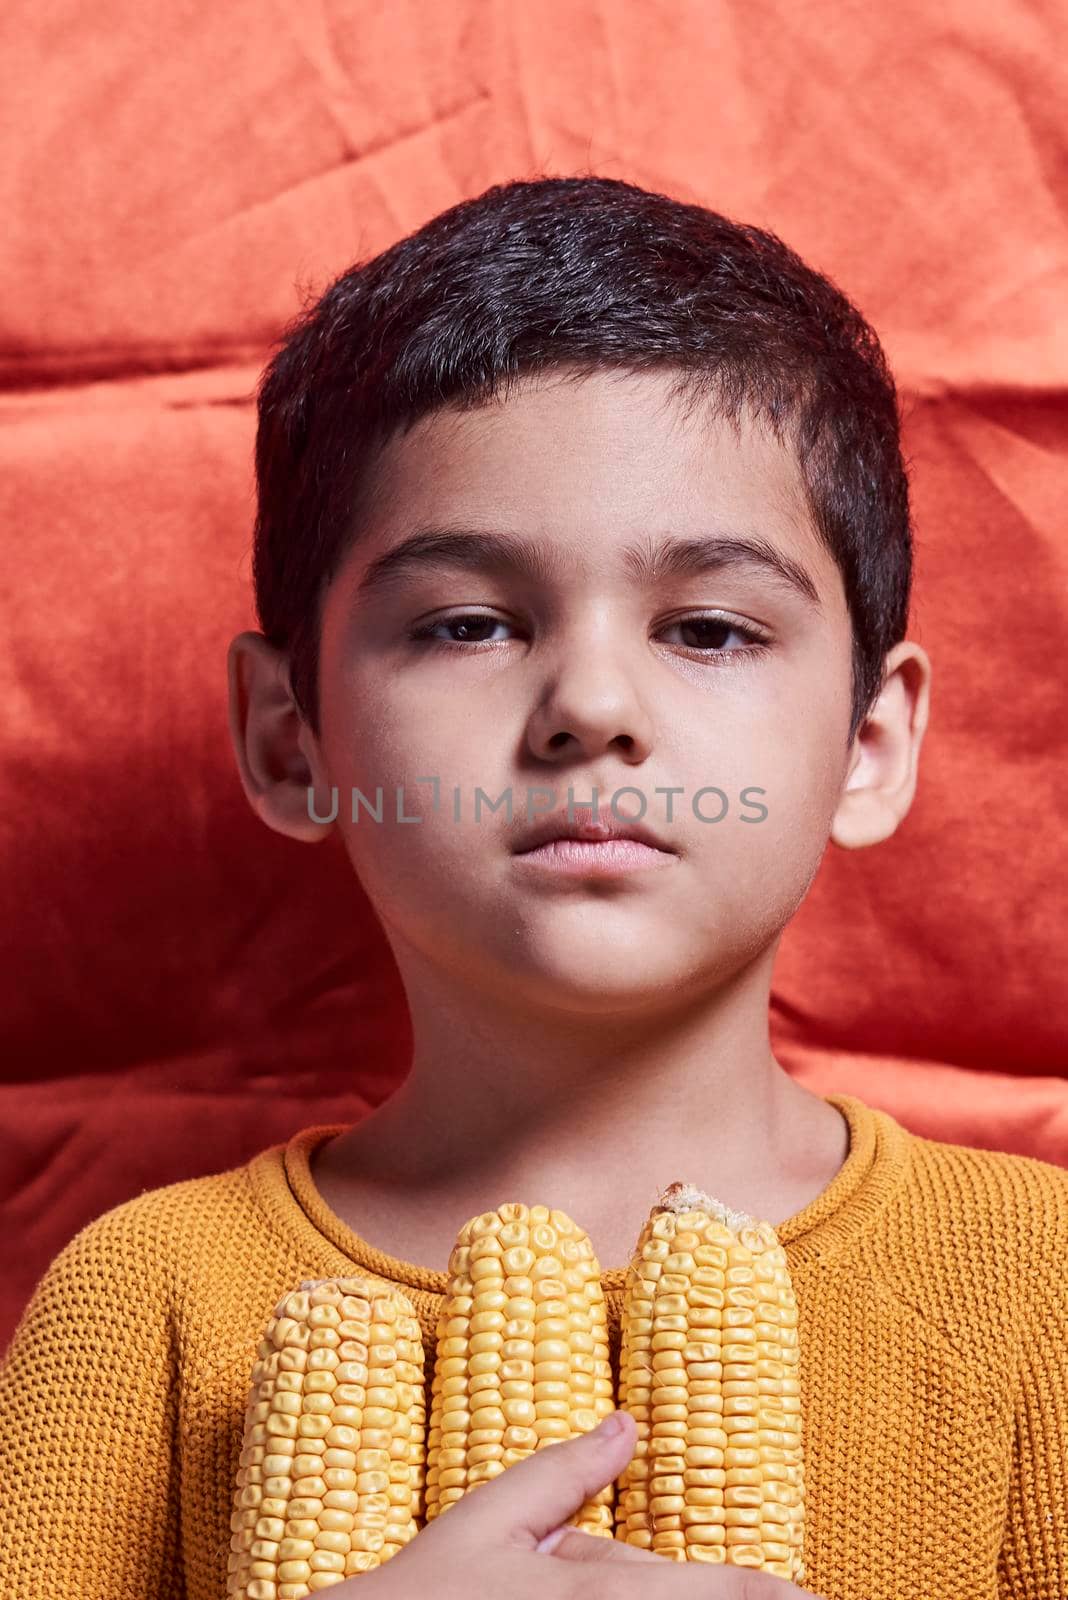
589	464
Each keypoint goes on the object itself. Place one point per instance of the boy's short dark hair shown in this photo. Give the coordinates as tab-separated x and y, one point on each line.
585	273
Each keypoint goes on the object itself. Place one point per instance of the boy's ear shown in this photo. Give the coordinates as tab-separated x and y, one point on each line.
881	776
278	756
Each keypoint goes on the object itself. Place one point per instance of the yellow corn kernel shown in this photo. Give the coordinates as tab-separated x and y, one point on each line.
332	1464
709	1370
522	1354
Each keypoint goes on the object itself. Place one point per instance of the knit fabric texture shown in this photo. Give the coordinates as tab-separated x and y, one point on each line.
932	1288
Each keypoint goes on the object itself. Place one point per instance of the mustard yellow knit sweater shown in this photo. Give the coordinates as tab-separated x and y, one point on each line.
932	1284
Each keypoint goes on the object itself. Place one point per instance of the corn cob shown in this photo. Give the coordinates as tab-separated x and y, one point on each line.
708	1368
522	1354
332	1464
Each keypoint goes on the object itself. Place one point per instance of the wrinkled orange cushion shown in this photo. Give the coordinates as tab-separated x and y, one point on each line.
181	987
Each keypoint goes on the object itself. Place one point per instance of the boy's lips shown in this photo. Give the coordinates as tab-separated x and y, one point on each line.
581	826
594	858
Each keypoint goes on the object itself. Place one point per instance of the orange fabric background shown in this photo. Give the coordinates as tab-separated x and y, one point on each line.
180	986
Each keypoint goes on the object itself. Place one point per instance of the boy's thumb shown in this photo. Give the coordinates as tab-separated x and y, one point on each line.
533	1497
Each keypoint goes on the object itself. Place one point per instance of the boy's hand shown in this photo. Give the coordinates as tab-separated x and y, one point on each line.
507	1538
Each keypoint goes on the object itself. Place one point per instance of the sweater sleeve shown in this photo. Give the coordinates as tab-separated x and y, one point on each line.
87	1424
1034	1551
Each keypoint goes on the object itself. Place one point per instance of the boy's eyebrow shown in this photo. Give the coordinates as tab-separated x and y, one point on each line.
479	550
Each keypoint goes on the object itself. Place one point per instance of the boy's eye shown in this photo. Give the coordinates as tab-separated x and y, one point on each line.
705	633
708	633
472	627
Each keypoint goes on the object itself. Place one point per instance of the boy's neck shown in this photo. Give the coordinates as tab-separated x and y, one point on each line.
595	1122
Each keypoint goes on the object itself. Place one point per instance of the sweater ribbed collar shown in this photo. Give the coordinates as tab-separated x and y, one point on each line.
879	1151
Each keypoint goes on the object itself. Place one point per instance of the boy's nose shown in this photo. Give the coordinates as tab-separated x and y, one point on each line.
587	709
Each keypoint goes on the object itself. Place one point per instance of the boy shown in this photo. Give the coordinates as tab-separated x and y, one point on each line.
590	500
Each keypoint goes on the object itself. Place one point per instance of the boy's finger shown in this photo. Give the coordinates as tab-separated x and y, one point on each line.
535	1496
573	1545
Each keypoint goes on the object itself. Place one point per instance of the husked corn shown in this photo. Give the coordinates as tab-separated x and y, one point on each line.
522	1354
333	1457
709	1370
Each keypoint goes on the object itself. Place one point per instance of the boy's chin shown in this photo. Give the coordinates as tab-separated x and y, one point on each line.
602	979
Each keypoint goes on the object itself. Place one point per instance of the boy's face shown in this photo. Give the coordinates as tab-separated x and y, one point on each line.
592	676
